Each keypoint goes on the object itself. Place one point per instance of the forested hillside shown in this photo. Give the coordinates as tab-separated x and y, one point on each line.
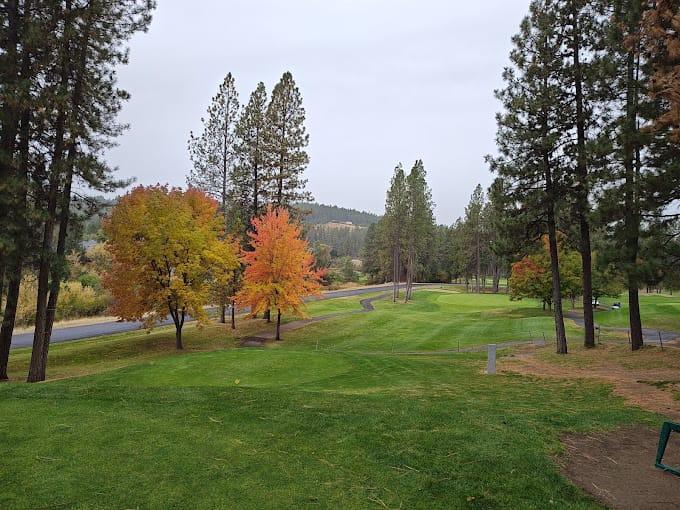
320	213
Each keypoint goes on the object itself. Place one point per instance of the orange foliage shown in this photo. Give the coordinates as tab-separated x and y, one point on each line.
280	268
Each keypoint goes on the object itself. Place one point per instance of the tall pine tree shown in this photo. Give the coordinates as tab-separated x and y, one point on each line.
286	143
530	133
396	210
213	152
251	173
419	221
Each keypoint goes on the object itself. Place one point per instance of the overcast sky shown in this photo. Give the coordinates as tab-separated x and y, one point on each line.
382	81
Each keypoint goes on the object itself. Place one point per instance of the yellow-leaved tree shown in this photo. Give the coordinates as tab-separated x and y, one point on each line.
280	268
168	251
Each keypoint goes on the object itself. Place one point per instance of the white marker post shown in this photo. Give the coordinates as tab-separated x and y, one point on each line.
491	364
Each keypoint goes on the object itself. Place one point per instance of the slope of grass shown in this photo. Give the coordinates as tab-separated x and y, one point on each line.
274	428
435	320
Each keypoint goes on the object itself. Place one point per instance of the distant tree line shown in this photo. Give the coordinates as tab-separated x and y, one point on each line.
320	213
342	241
58	105
470	252
588	144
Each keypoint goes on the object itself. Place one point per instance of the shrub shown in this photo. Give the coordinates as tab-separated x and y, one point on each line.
75	300
90	280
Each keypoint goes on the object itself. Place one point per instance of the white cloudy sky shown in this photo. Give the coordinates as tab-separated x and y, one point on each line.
383	81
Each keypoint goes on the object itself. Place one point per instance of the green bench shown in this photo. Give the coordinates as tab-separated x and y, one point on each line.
666	429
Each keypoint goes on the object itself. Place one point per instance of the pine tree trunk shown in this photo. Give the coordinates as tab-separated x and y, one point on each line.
551	195
14	283
631	214
2	279
496	278
587	278
48	291
479	259
278	324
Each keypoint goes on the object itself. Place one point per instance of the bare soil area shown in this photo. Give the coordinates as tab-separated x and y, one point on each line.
617	468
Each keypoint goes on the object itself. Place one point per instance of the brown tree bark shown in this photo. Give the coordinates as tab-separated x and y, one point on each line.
278	324
8	320
631	185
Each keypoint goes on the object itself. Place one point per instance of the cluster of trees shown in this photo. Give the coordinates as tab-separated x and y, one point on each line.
58	105
397	245
251	156
171	254
531	276
477	247
588	142
470	251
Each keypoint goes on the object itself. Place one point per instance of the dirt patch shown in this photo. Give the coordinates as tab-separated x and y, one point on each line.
252	341
633	384
618	469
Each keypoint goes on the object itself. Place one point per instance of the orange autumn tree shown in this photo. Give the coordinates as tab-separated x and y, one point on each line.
279	269
168	252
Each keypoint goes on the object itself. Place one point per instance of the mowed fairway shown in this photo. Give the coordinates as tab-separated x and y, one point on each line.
438	319
290	427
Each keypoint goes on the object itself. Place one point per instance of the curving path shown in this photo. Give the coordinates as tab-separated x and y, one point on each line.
69	334
262	338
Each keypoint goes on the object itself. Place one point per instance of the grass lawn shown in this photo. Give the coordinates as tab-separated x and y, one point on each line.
289	427
435	320
657	310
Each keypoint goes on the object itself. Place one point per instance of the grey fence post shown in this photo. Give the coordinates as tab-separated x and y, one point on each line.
491	363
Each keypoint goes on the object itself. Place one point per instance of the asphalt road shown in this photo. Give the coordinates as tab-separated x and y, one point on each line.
69	334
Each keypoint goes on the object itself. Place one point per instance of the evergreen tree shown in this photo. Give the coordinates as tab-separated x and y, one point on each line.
286	143
250	175
580	23
213	152
661	38
213	156
396	210
624	202
473	230
419	221
530	133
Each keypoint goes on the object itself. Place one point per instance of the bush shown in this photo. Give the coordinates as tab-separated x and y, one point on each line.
90	280
75	300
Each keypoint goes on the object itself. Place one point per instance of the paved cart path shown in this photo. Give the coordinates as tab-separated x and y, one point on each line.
70	333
